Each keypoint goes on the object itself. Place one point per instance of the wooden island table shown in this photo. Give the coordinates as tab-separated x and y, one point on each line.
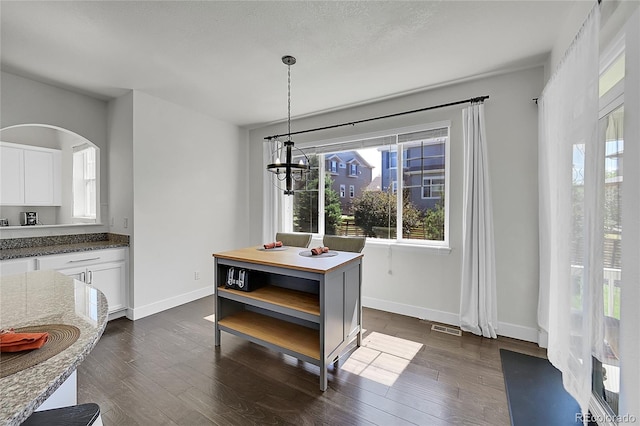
305	306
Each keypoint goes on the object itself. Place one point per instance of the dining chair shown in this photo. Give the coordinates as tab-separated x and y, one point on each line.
352	244
294	239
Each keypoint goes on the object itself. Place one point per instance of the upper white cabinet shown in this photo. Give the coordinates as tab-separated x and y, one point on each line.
31	176
12	175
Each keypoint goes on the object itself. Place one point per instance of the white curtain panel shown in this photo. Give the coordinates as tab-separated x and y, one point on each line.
570	170
271	204
478	311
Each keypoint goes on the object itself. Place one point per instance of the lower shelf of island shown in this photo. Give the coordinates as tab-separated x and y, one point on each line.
275	332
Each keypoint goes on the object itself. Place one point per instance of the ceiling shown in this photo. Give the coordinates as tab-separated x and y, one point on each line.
224	58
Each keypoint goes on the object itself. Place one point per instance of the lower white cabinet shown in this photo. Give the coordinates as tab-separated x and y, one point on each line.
16	266
105	270
109	278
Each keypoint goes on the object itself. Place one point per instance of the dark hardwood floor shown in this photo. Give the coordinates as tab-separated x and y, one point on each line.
165	370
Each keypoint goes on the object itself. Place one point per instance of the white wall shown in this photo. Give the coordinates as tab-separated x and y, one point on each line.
25	101
189	201
419	282
120	197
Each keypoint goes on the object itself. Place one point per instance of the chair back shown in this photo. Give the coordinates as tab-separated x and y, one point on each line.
352	244
294	240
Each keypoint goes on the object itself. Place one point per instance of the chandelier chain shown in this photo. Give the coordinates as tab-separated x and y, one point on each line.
289	100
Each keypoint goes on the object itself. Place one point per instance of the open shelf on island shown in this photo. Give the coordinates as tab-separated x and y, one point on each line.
292	299
293	337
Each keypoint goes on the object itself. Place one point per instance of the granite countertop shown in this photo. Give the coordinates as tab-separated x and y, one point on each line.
42	246
39	298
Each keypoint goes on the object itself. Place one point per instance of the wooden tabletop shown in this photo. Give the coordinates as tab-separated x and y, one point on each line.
290	258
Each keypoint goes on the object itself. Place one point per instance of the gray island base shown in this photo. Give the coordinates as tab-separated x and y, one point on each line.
306	307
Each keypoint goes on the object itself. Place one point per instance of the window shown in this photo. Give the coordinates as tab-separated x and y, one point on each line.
432	187
608	366
393	160
403	201
84	182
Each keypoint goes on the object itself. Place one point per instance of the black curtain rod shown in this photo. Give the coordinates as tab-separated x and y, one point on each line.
353	123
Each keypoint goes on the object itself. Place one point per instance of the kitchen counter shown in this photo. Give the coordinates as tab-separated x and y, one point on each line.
18	248
40	298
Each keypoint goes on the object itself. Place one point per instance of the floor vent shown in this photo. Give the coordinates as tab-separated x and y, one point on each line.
447	330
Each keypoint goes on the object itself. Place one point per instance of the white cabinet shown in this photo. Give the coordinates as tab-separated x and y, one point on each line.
105	270
12	175
16	266
31	176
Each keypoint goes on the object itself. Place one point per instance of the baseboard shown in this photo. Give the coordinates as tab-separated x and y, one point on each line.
412	311
171	302
519	332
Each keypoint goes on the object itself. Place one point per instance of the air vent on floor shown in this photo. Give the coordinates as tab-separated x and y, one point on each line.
447	330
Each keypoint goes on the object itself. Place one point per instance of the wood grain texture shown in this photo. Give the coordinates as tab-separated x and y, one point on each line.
290	259
293	299
278	332
164	369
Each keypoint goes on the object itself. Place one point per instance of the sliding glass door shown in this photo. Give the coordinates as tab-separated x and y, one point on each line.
606	365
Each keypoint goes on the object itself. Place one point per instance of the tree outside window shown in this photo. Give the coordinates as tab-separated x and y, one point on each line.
397	200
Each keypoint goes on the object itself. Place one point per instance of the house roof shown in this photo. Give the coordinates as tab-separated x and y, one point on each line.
223	58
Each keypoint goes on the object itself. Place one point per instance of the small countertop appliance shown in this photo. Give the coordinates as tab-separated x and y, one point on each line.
28	218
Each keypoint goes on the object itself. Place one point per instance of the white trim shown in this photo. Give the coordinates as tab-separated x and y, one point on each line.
378	134
616	48
171	302
598	414
514	331
429	247
411	311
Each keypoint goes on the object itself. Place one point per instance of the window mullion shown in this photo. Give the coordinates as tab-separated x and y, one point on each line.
400	191
321	179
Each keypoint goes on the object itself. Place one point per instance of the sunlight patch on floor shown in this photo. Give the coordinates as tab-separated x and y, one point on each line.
382	358
211	318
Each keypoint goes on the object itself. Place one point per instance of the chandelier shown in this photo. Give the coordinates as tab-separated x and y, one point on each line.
288	171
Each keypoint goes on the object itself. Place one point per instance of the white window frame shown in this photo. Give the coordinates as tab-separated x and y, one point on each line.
431	176
343	191
352	191
89	212
355	142
353	169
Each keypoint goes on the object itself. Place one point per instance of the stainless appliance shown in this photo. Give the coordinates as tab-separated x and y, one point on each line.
28	218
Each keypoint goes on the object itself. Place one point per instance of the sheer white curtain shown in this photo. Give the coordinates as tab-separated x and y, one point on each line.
570	168
478	312
272	209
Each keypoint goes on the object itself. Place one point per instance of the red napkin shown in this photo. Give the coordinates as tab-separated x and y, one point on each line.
273	245
10	341
319	250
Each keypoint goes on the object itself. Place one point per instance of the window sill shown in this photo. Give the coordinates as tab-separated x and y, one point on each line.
431	249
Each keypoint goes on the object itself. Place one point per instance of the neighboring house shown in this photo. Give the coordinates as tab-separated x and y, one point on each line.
423	172
351	175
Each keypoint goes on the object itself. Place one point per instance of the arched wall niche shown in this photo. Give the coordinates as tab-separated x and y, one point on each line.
53	137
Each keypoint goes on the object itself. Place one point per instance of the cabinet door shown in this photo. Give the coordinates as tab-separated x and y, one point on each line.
17	266
109	278
78	273
11	176
40	173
